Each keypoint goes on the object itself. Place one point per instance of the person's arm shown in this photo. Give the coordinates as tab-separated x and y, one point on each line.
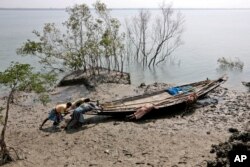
71	108
67	111
95	107
98	109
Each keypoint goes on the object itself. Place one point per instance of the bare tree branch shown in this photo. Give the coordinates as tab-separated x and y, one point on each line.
162	38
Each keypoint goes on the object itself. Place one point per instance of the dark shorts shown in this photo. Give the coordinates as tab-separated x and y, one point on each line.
54	116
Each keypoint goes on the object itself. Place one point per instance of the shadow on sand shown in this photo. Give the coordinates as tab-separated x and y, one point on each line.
51	129
91	122
167	113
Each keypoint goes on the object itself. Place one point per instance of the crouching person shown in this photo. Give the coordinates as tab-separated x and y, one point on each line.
77	118
56	114
78	102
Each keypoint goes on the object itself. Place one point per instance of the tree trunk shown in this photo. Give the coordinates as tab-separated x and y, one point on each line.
5	156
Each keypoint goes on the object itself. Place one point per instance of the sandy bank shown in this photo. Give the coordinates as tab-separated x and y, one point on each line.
170	140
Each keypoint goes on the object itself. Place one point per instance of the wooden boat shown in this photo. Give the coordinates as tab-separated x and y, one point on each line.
161	99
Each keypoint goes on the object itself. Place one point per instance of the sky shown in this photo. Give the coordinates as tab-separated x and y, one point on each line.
126	3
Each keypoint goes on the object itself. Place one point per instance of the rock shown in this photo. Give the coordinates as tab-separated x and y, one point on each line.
86	78
247	126
126	153
106	151
212	150
74	78
236	143
233	130
142	85
213	106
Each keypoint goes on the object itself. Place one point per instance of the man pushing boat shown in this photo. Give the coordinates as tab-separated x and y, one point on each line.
56	114
77	118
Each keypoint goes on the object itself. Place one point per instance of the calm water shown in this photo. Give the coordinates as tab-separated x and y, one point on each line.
208	35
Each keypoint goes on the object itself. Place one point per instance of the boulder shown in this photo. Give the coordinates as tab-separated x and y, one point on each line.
87	78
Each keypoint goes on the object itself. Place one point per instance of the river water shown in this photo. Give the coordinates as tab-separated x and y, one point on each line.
208	35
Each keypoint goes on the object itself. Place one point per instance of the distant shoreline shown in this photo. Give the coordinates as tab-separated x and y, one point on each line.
129	8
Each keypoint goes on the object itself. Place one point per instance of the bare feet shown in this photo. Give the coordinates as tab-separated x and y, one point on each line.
65	127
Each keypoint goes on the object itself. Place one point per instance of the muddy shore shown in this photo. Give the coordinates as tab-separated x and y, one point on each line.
173	139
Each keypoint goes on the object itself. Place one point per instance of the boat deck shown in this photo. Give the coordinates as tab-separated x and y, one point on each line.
156	99
161	99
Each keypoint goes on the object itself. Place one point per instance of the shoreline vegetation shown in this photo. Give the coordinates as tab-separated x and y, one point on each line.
229	64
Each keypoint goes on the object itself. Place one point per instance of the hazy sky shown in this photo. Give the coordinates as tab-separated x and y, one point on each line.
126	3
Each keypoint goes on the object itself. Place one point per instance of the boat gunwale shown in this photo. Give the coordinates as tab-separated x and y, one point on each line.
154	93
209	86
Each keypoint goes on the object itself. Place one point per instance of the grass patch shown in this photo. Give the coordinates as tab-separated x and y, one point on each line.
1	109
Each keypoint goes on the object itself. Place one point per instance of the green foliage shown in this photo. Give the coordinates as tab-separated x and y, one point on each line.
1	116
31	47
225	64
1	119
20	77
14	74
44	98
89	42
